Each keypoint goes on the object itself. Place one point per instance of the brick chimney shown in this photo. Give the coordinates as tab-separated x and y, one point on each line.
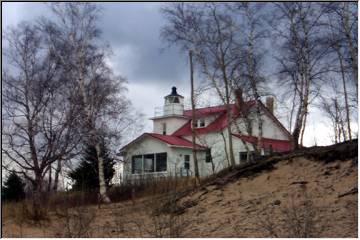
270	104
238	97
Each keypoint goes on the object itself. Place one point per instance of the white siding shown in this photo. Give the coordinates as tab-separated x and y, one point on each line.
175	155
215	142
147	145
172	124
270	128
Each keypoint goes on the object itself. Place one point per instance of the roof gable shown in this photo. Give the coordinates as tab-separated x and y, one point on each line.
168	139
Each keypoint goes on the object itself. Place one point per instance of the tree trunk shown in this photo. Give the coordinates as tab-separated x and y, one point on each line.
93	136
345	91
298	125
50	178
193	134
303	130
225	149
231	150
102	185
37	198
229	121
57	173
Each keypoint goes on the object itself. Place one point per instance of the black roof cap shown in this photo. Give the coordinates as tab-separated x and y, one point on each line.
174	92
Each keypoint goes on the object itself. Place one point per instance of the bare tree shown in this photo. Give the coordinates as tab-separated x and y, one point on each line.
39	124
345	24
342	37
251	81
301	59
331	105
74	37
210	32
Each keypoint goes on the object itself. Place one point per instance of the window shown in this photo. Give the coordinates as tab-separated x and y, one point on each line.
172	99
208	157
149	163
164	128
136	164
187	162
202	122
243	156
161	162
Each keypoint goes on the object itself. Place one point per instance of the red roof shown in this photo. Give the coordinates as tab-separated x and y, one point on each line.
221	121
206	111
218	124
267	143
172	140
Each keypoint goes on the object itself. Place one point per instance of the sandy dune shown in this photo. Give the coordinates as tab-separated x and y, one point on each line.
260	205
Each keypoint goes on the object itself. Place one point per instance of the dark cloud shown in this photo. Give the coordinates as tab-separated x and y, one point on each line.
133	32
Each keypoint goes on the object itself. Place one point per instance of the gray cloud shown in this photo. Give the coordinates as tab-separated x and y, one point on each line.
133	32
135	29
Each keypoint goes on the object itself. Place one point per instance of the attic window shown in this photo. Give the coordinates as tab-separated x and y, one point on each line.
200	123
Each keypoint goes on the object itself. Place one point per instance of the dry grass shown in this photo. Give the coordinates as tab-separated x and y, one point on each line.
74	214
298	218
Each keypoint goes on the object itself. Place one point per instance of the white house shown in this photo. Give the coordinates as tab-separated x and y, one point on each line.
168	150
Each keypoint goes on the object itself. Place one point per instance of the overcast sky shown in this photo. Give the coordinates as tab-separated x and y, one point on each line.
132	30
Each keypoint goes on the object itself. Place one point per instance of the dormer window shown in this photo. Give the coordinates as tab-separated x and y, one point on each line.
200	123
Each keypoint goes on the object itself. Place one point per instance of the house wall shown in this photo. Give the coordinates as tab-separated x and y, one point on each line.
270	128
215	142
144	146
175	156
172	124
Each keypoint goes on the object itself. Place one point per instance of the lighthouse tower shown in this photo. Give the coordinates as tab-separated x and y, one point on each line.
172	117
174	103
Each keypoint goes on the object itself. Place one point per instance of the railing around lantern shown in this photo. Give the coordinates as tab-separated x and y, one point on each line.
169	110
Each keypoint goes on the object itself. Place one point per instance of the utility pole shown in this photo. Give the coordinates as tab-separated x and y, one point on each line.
193	120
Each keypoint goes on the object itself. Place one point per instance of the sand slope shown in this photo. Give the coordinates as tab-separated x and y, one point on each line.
321	193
